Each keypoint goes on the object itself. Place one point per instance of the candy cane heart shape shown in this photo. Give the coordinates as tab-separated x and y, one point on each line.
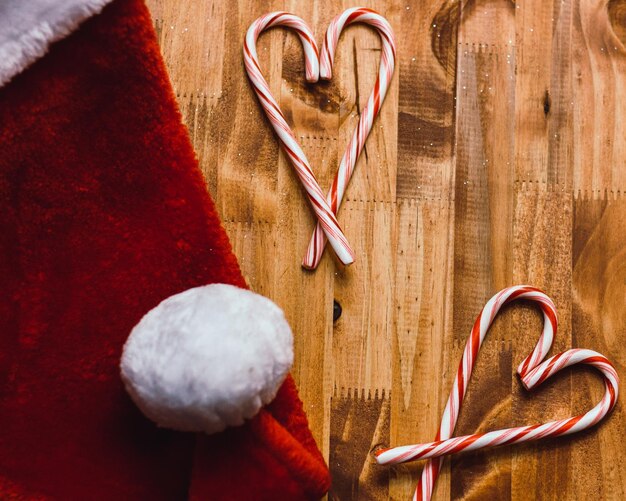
532	372
325	215
369	113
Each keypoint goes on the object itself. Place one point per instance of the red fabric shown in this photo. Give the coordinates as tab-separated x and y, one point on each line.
104	213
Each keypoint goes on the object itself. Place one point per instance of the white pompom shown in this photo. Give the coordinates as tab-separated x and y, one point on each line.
207	358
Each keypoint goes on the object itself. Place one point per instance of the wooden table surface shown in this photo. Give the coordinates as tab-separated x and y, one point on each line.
499	158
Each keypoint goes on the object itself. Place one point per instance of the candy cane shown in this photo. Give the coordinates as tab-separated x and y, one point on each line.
369	113
325	215
532	374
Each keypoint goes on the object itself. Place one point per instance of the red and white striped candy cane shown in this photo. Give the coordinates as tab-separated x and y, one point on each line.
325	215
369	113
532	373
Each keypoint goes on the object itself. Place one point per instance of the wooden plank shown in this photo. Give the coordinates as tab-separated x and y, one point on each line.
542	226
423	361
362	336
599	110
427	39
484	202
355	71
543	92
542	257
183	29
598	316
359	421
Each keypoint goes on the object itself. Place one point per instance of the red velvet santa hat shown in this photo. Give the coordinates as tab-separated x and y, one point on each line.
103	214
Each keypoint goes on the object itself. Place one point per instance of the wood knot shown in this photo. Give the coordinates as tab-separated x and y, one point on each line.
547	103
337	310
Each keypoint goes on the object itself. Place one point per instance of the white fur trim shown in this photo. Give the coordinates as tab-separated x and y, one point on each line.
207	358
28	27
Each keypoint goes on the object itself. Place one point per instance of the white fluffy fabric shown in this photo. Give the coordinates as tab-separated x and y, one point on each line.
207	358
28	27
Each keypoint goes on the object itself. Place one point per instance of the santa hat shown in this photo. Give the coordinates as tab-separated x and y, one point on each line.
103	215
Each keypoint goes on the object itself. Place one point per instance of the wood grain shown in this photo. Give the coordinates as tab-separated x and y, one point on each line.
499	158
